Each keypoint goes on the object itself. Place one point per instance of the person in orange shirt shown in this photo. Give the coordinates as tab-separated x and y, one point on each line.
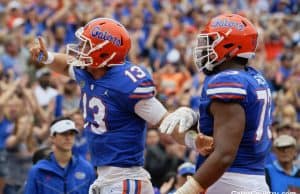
172	76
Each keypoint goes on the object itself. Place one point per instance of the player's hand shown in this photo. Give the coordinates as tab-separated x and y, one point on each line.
191	186
204	144
166	186
183	116
38	51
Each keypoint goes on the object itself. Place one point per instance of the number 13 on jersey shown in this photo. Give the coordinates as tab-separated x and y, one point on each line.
96	106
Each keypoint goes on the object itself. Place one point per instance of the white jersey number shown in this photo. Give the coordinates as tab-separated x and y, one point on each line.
96	106
135	73
265	97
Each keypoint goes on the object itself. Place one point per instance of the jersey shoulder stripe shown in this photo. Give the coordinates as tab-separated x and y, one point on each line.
144	90
227	86
226	90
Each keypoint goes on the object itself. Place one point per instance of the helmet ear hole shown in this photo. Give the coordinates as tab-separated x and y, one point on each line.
229	45
245	24
103	55
121	41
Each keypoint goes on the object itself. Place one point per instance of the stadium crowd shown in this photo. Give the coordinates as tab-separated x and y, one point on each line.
162	33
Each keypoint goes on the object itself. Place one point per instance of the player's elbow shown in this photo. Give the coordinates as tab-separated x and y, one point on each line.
225	158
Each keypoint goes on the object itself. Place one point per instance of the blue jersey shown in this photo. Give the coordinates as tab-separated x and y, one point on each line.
249	89
116	135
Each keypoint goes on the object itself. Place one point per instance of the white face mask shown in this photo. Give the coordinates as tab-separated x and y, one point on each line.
205	55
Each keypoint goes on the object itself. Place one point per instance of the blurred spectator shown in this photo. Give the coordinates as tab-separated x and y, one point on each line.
43	90
172	76
80	147
284	128
66	171
156	158
152	137
184	170
162	156
15	56
158	52
14	9
23	139
285	70
284	6
41	154
59	37
192	88
296	134
168	184
273	42
3	28
20	146
282	175
10	104
289	113
68	102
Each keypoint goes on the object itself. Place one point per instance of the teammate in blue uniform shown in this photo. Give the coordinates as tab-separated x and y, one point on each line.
235	110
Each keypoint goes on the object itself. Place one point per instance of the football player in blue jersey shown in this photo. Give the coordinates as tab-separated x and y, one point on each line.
117	102
235	109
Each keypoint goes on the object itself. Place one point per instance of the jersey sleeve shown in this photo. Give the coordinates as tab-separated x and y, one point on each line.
78	74
144	90
146	108
227	87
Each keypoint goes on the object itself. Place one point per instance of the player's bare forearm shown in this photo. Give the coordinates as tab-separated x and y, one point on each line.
59	64
212	169
229	123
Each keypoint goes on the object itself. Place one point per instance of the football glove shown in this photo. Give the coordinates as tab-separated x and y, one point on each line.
183	116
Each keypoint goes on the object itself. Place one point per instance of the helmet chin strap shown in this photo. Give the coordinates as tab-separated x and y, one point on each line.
210	67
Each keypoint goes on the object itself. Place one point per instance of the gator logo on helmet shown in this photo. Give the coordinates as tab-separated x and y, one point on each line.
224	23
97	33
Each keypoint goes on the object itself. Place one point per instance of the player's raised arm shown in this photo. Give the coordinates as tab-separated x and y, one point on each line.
55	61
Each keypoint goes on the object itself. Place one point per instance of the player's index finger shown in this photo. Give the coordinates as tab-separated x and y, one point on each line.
41	42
